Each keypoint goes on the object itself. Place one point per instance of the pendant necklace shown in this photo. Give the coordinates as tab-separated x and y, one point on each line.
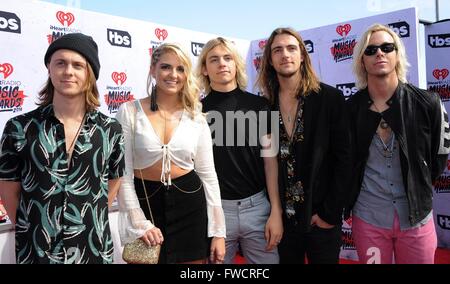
289	113
387	149
383	123
69	150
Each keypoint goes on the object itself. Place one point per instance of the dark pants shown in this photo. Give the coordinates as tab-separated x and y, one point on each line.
319	245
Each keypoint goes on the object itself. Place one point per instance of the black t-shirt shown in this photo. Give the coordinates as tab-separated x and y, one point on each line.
237	120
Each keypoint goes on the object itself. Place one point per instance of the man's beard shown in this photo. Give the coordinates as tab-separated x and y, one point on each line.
287	75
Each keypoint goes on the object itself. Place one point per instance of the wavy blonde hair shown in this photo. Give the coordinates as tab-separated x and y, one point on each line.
190	93
358	67
267	77
90	90
241	76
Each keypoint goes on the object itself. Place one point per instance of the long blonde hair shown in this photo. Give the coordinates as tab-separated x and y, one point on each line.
90	90
267	77
358	67
190	92
241	76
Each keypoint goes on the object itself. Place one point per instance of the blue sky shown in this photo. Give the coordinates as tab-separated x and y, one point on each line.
253	19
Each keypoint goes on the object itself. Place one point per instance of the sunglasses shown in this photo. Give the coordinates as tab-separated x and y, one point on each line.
385	47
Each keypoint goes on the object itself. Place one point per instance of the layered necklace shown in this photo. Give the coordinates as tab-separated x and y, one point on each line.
387	149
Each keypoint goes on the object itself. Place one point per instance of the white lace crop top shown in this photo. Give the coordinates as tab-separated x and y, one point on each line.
189	148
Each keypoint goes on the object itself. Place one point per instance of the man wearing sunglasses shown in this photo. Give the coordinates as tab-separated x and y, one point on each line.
401	143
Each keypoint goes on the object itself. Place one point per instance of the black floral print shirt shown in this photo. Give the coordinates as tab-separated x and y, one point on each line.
293	193
62	215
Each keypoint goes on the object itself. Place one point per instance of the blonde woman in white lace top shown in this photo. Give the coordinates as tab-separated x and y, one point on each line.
169	154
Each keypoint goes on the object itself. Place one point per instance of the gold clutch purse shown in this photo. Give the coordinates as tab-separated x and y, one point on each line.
138	252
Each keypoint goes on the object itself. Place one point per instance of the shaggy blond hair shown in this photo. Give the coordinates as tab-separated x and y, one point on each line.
190	92
358	67
241	76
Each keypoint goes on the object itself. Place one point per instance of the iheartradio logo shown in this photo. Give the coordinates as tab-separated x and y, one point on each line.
262	44
257	62
161	34
349	221
344	30
6	69
65	17
119	78
440	73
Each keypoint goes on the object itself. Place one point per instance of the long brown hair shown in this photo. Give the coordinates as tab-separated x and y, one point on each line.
91	94
267	77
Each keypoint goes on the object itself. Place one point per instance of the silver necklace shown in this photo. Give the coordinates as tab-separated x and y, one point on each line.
388	150
289	112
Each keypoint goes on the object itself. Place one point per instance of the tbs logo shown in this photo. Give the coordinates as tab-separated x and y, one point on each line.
400	28
9	22
443	221
196	48
348	89
309	46
119	38
437	41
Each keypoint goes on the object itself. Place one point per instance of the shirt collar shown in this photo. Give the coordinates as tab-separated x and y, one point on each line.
48	112
391	100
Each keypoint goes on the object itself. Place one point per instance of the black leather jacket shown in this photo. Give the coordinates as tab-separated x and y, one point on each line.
421	127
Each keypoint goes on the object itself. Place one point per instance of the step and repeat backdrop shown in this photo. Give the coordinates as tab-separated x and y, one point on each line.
331	48
125	46
437	48
331	51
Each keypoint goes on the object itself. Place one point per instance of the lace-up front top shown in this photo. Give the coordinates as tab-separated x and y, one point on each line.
189	148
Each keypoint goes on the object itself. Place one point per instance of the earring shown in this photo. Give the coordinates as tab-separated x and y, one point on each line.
153	105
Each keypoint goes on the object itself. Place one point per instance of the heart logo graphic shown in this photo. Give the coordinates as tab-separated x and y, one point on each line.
440	73
65	17
6	69
161	34
119	78
262	44
343	30
349	221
